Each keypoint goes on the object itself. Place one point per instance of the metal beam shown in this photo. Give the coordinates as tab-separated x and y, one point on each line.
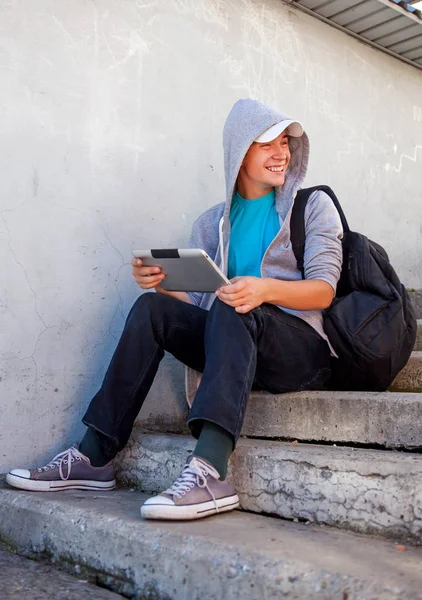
401	10
308	11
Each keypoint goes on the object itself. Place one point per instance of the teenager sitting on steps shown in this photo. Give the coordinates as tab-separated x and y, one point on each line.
265	330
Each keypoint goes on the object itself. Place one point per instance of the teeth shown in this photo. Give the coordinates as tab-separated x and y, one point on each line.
276	169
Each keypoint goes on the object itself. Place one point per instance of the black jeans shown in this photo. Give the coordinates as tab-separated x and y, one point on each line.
265	348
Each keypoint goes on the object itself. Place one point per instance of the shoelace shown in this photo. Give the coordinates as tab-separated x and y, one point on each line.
194	473
64	458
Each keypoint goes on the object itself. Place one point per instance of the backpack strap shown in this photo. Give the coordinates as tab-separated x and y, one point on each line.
297	227
297	221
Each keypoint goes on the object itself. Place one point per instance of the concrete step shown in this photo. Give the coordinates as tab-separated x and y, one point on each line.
355	417
227	557
418	344
410	378
368	491
391	420
416	300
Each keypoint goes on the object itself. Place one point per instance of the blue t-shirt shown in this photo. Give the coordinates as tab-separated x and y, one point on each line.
254	225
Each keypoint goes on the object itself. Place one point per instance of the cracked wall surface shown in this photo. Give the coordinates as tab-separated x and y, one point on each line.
112	115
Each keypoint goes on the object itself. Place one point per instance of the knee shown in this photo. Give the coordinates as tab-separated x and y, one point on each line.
144	302
221	308
144	305
150	304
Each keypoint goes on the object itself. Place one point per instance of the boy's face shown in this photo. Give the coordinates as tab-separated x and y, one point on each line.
265	165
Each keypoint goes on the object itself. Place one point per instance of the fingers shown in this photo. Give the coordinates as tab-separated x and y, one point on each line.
227	297
243	294
144	271
244	308
237	285
146	277
147	283
233	292
241	306
233	303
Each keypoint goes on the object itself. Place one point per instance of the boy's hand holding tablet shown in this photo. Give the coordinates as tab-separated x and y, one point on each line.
184	270
146	277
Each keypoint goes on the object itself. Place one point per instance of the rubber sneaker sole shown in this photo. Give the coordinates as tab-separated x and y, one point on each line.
33	485
187	512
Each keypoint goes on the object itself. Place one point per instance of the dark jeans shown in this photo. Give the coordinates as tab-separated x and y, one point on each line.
265	348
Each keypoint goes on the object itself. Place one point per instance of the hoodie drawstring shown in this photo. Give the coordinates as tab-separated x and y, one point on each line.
220	241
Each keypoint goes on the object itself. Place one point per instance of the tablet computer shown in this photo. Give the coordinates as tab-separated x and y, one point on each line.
186	270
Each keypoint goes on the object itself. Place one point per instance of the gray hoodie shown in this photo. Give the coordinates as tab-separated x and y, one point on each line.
211	231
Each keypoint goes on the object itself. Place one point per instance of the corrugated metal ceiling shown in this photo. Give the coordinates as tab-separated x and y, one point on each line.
394	26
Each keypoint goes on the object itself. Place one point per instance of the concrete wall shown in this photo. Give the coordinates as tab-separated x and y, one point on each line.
111	117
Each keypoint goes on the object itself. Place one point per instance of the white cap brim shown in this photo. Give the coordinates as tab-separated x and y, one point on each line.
294	128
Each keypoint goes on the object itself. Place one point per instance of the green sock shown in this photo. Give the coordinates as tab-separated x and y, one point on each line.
90	446
215	444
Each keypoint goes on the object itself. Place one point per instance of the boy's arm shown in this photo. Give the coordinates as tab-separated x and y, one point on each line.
246	293
307	294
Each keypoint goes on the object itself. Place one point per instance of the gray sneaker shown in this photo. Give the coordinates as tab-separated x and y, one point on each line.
197	493
69	470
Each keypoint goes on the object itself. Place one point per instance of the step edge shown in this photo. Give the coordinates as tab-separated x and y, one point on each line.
43	545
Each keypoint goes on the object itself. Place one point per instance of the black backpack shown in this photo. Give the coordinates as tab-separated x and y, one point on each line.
371	323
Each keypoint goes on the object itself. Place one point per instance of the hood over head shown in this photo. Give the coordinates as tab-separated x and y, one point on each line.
247	121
